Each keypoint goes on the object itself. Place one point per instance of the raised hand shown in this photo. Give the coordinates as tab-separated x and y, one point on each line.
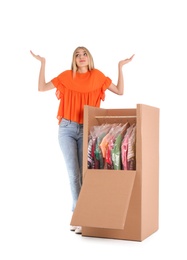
123	62
38	57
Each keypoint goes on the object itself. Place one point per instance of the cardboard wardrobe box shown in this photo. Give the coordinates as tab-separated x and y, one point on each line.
122	204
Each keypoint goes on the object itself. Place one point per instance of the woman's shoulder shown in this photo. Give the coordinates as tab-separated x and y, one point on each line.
97	72
65	73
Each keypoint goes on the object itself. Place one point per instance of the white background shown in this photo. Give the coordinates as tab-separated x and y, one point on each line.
35	201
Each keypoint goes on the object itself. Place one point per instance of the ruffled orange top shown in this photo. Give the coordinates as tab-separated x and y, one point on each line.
74	93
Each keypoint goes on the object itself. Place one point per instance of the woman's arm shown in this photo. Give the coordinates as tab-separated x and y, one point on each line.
119	88
42	85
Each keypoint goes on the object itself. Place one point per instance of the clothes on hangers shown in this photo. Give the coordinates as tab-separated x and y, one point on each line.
112	147
124	147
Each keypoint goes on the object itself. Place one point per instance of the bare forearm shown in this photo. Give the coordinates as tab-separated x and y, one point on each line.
120	83
119	88
41	79
42	85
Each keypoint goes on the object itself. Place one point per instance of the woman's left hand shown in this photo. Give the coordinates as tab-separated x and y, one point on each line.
123	62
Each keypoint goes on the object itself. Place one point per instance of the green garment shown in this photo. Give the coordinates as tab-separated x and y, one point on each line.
116	153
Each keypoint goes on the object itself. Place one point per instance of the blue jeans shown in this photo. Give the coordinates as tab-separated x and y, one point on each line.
70	138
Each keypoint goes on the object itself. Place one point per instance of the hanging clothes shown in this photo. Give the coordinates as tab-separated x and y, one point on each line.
98	152
124	147
112	146
90	160
109	162
116	151
131	155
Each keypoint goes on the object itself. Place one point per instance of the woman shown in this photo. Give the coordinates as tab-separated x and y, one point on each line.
82	85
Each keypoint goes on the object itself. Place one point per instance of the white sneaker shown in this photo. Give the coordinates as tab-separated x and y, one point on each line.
78	230
73	228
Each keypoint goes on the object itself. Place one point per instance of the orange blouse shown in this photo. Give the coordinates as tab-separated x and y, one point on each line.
84	89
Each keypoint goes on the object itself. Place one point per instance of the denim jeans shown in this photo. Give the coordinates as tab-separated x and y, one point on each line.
70	138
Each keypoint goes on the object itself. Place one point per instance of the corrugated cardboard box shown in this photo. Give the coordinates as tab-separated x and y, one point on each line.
122	204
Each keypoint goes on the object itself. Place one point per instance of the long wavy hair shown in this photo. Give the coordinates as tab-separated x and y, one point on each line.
74	67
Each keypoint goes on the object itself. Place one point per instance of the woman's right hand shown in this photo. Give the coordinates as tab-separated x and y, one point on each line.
38	57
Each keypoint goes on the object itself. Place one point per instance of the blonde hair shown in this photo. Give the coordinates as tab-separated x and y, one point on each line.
74	67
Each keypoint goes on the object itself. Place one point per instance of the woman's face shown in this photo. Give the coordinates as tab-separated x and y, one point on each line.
81	58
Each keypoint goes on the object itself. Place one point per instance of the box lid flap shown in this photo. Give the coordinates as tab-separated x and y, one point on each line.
104	199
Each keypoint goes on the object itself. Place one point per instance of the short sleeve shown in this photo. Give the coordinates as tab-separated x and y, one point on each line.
105	86
59	87
57	83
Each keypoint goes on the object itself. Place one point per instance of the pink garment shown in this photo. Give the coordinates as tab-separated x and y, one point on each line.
131	155
124	147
